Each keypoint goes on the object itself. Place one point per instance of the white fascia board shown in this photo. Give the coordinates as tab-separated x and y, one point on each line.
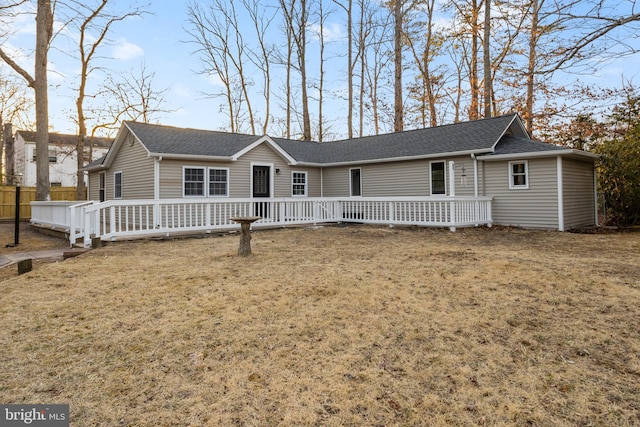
516	119
534	154
397	159
191	157
266	139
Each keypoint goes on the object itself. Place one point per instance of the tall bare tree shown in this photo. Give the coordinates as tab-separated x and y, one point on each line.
95	22
44	33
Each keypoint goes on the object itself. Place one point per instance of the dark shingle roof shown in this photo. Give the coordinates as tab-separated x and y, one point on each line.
476	136
514	145
173	140
66	139
480	137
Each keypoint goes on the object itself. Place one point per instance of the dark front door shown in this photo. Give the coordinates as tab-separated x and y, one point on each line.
261	188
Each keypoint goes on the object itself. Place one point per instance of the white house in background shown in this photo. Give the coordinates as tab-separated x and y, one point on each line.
63	166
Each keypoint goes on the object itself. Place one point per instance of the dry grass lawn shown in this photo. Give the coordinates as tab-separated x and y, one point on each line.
338	326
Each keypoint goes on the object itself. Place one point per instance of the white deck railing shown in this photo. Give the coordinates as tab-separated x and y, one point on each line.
137	218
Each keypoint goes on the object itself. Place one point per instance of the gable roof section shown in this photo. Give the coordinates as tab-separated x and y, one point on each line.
514	147
173	142
480	136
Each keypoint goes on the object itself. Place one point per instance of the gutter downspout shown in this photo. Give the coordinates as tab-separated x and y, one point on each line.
560	195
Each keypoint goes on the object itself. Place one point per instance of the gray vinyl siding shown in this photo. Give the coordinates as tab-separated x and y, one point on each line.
578	193
137	172
240	174
535	207
398	179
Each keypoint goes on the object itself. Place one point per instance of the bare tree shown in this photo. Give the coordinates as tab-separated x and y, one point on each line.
95	23
44	33
133	96
486	50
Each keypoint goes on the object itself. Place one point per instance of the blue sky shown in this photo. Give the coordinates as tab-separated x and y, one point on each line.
159	40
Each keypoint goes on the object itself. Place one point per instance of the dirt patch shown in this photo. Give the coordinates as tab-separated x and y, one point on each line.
333	326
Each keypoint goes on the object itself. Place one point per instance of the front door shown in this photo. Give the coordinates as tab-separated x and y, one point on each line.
261	188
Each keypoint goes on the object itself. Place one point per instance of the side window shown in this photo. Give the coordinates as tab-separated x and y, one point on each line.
355	182
102	186
518	175
438	181
193	182
298	183
117	185
218	182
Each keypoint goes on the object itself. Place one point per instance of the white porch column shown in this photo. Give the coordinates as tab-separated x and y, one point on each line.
156	192
452	179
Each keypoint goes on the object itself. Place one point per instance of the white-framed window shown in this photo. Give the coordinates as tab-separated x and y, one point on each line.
117	185
438	178
298	183
193	181
518	175
355	182
218	182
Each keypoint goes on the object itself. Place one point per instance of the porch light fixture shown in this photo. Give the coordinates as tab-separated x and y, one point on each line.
277	170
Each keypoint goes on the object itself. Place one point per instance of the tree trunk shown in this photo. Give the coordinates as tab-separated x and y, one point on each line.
44	28
398	116
487	58
533	42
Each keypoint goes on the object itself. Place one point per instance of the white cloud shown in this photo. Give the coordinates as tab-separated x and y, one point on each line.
331	32
124	50
214	79
181	90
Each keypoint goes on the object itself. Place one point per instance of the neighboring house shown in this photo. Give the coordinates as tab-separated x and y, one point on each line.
63	163
533	184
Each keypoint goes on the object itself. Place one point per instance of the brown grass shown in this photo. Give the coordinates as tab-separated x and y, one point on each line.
333	326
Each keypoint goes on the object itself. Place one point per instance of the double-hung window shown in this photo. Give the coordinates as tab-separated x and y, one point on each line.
438	181
218	182
117	185
298	183
518	175
203	182
193	182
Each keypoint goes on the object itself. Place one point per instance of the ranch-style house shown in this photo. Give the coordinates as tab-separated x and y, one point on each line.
160	180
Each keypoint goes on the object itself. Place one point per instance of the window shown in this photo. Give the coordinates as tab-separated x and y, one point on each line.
355	183
519	175
218	182
117	185
53	156
193	182
56	184
438	181
298	183
102	186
